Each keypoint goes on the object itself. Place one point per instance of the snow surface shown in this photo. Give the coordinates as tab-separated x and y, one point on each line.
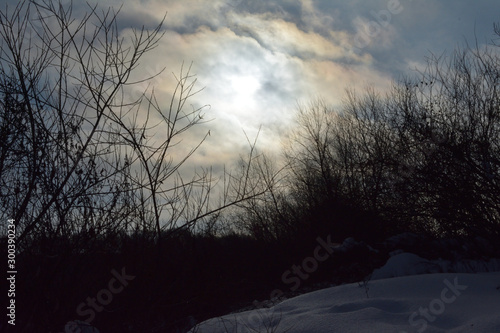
394	300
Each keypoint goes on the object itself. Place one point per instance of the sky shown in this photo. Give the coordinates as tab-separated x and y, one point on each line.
257	59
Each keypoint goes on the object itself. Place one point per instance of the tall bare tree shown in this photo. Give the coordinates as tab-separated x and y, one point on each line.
80	151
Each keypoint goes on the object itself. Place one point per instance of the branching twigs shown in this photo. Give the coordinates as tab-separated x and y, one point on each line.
90	159
91	67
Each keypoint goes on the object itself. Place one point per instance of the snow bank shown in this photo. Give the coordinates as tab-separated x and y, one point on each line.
461	295
432	303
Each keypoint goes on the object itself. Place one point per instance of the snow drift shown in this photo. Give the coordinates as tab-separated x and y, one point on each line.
402	296
424	303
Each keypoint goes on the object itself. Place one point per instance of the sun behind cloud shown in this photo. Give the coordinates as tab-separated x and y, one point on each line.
243	88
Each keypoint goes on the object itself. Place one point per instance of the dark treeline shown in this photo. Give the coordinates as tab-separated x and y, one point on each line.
95	193
425	158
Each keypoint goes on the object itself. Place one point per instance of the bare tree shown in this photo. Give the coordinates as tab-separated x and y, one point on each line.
424	157
79	156
449	120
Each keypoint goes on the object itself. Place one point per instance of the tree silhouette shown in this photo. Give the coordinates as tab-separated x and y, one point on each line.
425	157
81	156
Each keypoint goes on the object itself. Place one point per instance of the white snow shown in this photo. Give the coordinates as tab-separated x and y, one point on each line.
395	300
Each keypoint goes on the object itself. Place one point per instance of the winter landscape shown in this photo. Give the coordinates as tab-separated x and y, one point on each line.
424	303
231	166
408	294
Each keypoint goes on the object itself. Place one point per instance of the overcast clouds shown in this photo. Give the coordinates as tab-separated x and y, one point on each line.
257	59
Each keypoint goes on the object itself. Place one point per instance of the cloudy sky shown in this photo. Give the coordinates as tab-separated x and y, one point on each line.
257	59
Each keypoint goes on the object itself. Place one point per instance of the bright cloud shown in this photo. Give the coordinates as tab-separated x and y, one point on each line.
257	59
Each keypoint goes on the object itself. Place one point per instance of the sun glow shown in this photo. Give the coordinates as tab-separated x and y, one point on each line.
243	88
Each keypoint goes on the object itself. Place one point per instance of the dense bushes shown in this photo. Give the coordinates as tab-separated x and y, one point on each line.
193	276
425	157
